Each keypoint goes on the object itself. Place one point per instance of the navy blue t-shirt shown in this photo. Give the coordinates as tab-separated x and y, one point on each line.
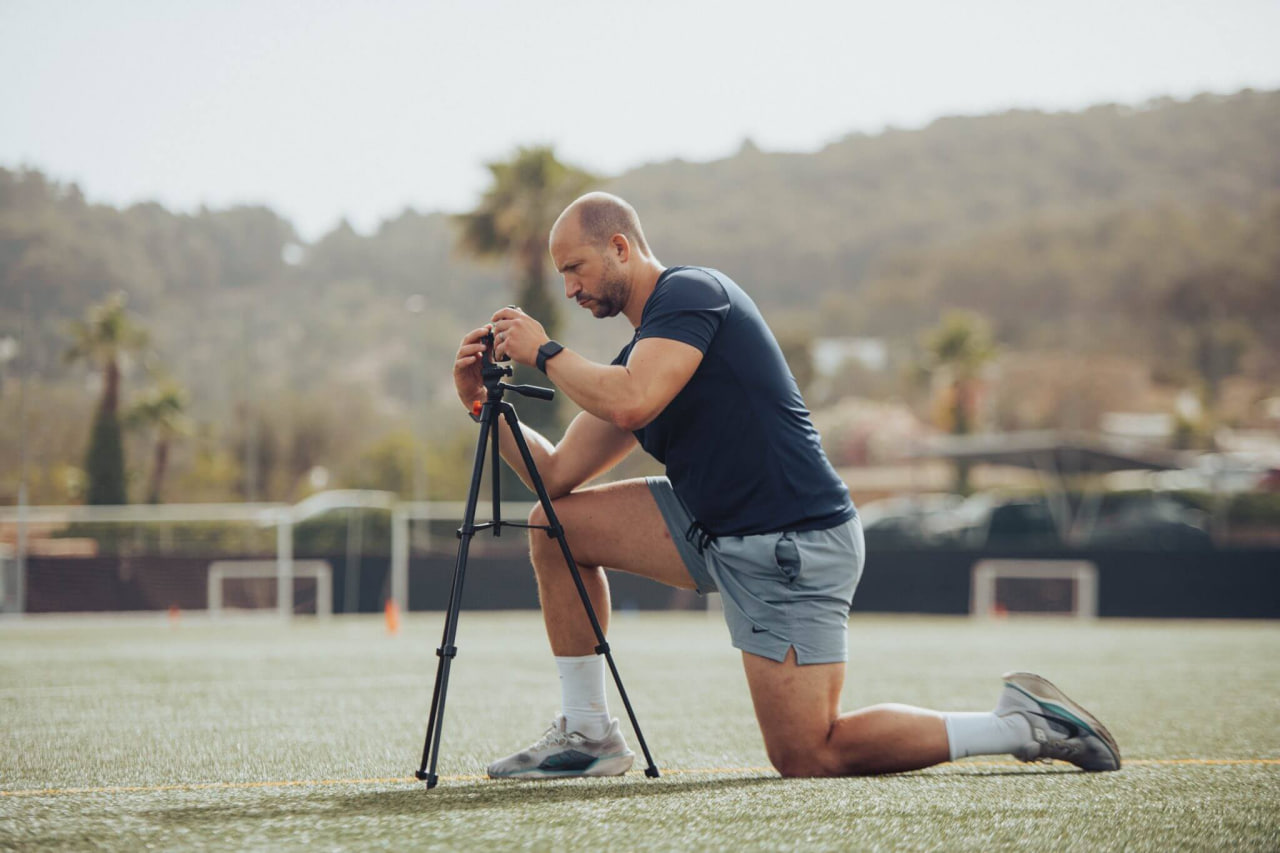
737	441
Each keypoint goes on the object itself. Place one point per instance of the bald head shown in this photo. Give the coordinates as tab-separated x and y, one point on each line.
599	216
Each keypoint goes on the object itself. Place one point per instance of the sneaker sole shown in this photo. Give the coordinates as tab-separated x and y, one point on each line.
608	765
1044	692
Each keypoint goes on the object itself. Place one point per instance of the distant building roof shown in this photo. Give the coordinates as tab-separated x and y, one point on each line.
830	354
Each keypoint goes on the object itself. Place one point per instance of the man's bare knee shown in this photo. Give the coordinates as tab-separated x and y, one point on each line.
544	549
538	515
802	764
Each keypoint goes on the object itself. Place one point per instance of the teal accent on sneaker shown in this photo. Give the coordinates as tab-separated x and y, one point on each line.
561	753
1061	728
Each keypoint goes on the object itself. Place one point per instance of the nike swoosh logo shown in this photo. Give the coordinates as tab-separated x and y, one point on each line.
756	630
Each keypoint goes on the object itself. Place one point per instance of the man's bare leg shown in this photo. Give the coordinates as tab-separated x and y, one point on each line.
617	525
798	709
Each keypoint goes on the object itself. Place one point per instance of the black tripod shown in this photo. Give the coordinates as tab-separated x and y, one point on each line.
493	407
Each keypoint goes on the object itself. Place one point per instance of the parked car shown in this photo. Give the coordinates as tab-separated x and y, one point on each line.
992	521
905	522
1151	521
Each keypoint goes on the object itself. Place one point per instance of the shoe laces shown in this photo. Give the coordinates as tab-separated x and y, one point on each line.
553	737
1061	748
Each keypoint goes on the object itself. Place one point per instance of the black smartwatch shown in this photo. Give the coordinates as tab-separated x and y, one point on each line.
548	350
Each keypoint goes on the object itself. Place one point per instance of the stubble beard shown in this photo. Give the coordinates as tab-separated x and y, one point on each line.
613	294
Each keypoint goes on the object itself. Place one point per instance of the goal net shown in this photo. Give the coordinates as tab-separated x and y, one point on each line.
1046	587
246	586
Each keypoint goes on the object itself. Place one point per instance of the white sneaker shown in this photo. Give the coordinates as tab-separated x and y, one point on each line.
1060	728
562	753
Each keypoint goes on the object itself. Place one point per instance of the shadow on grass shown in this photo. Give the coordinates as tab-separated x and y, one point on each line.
478	795
455	797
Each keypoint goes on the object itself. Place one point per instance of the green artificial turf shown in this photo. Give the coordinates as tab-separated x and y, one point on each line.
256	735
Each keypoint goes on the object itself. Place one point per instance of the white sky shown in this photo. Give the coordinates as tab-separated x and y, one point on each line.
330	109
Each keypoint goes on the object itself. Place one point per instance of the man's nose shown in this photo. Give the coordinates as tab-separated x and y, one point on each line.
572	287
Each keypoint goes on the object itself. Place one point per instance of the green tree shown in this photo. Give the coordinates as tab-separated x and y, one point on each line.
959	347
387	464
105	334
514	220
1213	307
161	410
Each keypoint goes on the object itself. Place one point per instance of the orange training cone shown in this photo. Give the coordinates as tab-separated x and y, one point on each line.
393	617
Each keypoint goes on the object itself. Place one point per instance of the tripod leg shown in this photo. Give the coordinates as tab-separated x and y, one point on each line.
447	651
558	533
497	477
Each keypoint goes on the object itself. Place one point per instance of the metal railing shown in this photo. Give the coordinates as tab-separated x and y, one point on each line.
282	516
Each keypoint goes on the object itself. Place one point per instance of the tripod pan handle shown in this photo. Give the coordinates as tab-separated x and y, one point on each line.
531	391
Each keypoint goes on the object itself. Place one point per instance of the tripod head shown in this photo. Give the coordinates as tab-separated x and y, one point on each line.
493	374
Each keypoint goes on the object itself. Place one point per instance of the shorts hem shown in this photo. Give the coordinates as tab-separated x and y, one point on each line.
677	519
802	658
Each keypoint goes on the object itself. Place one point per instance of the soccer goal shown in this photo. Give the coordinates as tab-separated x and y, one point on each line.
1048	587
255	585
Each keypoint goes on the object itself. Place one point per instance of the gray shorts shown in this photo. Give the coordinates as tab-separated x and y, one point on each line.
779	589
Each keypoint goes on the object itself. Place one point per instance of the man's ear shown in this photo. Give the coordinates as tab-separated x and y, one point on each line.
621	247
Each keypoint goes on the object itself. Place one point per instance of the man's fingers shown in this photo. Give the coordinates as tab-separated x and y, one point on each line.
509	313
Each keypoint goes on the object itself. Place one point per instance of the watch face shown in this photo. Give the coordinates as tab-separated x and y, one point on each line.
546	351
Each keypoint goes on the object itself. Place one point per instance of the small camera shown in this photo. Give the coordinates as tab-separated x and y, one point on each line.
490	352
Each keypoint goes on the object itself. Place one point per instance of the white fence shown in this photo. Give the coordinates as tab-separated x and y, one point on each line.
282	517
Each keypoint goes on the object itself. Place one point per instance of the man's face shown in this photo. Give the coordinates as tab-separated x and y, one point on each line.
592	276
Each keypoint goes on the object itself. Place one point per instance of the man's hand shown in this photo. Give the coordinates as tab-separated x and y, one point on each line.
466	368
517	336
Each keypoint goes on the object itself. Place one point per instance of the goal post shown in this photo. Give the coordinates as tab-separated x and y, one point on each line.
318	570
1042	587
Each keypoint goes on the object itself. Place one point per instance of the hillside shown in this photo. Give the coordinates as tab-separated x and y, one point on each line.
1116	229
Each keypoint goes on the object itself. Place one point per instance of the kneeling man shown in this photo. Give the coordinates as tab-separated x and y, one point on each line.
750	506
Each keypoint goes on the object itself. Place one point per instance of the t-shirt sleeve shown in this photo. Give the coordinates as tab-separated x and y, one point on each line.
689	308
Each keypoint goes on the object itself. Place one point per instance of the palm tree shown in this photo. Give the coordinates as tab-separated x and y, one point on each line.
959	347
100	339
514	219
162	409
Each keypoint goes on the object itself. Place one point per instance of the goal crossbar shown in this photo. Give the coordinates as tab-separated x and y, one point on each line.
1082	574
320	570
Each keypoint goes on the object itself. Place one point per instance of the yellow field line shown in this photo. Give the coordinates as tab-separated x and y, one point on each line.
705	771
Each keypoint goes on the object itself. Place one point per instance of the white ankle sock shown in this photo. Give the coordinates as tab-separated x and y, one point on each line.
985	734
582	698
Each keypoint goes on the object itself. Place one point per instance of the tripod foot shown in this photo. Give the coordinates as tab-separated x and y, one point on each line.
430	778
651	771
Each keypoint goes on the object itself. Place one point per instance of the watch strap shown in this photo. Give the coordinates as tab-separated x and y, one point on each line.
547	351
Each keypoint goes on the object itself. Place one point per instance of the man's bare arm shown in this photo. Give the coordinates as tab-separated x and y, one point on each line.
590	446
628	396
